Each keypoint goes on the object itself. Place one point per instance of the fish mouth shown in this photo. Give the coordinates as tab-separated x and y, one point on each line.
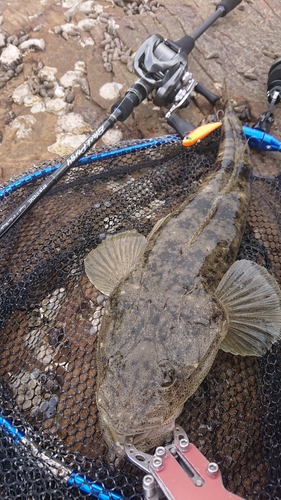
143	441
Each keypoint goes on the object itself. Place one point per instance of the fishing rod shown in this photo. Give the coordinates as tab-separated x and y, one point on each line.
123	149
162	67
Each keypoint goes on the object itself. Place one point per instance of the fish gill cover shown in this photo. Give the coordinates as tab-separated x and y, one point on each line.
50	315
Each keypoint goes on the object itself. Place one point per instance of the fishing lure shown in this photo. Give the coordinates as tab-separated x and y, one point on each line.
200	133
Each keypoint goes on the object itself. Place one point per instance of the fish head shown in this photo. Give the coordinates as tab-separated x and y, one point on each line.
141	393
139	397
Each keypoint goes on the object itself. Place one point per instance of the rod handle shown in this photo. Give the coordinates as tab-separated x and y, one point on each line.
228	5
186	44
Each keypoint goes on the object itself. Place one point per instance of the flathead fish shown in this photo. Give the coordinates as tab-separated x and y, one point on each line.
178	297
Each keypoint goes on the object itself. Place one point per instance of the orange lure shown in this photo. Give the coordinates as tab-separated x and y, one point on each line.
199	133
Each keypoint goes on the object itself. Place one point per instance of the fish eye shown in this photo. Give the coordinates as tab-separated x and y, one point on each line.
168	380
115	361
168	374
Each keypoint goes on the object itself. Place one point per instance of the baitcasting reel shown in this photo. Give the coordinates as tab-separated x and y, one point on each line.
273	94
162	67
163	64
274	82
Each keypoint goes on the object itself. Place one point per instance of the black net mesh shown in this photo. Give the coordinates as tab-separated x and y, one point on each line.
50	315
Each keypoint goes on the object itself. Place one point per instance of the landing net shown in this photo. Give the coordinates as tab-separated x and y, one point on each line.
51	446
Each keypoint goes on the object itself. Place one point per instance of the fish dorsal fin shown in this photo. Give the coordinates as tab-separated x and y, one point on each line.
113	259
158	224
252	299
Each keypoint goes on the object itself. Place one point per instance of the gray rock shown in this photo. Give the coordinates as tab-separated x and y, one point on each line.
69	95
87	24
10	56
23	38
2	40
70	29
87	7
36	44
19	68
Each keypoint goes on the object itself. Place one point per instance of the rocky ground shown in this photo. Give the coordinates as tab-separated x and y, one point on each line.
63	63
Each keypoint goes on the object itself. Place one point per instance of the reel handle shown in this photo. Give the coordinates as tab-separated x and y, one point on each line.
201	89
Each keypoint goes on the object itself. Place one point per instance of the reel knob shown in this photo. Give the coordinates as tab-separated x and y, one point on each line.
274	81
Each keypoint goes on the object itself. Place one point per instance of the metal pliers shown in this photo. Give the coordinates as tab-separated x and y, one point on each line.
178	471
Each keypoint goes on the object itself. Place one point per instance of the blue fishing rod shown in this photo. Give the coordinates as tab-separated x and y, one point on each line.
161	65
55	467
86	160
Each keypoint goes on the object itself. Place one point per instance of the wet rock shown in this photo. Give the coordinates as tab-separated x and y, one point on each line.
90	6
23	38
250	74
30	100
13	39
86	41
57	30
72	123
69	95
86	24
111	90
64	35
48	85
112	27
69	79
23	126
10	73
66	143
70	29
38	107
70	12
108	67
112	136
67	4
71	131
2	40
19	68
10	116
103	19
36	44
11	56
56	106
84	85
39	27
59	90
81	67
47	74
43	91
20	93
130	66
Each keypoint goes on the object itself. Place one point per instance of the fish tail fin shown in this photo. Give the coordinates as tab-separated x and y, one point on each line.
252	299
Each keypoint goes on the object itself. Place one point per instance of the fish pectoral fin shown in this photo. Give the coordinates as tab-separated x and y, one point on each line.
252	299
158	224
114	259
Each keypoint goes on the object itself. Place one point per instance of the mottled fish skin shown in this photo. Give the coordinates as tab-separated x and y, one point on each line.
162	325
